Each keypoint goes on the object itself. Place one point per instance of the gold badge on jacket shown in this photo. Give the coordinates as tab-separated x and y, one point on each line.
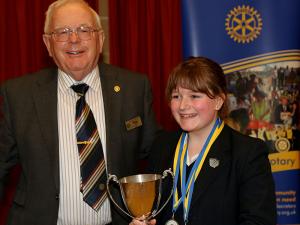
117	88
133	123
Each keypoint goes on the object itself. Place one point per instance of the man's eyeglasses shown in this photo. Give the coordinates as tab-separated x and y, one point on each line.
63	34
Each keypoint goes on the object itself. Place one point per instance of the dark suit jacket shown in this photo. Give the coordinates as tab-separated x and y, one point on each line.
29	135
240	190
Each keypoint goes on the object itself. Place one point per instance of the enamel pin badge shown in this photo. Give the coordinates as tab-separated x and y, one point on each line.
213	162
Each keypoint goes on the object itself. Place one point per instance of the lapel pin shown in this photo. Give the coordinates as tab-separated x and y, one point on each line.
117	88
213	162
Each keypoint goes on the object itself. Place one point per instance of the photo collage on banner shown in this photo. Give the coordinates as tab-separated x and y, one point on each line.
258	46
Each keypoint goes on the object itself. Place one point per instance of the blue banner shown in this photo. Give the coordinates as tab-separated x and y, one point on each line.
258	45
231	30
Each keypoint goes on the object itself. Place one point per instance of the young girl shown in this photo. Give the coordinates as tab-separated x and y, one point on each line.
221	176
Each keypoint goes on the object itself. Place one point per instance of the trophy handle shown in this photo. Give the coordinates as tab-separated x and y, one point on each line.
165	174
115	179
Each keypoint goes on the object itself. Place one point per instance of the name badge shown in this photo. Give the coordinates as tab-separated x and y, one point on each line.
133	123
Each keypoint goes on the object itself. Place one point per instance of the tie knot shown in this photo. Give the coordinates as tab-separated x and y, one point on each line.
80	89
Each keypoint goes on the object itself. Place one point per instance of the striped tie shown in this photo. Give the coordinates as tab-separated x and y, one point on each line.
92	164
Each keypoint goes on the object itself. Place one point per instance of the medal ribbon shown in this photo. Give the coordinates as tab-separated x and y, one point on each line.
179	165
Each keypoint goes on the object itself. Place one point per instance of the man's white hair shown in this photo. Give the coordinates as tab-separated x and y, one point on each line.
59	3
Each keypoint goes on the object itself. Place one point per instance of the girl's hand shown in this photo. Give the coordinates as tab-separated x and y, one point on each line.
137	222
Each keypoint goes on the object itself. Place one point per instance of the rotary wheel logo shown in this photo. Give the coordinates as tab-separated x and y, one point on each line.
282	145
243	24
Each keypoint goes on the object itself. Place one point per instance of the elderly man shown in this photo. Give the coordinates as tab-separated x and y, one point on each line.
70	126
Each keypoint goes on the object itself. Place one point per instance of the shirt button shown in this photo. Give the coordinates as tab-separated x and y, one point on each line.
57	196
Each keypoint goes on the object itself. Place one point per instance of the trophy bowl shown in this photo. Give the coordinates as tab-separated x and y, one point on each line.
141	194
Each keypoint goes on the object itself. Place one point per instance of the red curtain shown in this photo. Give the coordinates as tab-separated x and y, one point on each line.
145	36
21	44
22	51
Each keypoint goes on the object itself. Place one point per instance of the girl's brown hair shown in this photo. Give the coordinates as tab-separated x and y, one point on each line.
199	74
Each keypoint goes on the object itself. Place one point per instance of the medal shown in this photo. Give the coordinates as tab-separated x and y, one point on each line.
172	222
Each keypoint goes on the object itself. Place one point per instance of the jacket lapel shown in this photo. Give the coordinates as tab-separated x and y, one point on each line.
216	160
112	98
45	99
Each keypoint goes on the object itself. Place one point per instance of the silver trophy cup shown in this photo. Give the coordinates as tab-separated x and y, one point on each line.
141	194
